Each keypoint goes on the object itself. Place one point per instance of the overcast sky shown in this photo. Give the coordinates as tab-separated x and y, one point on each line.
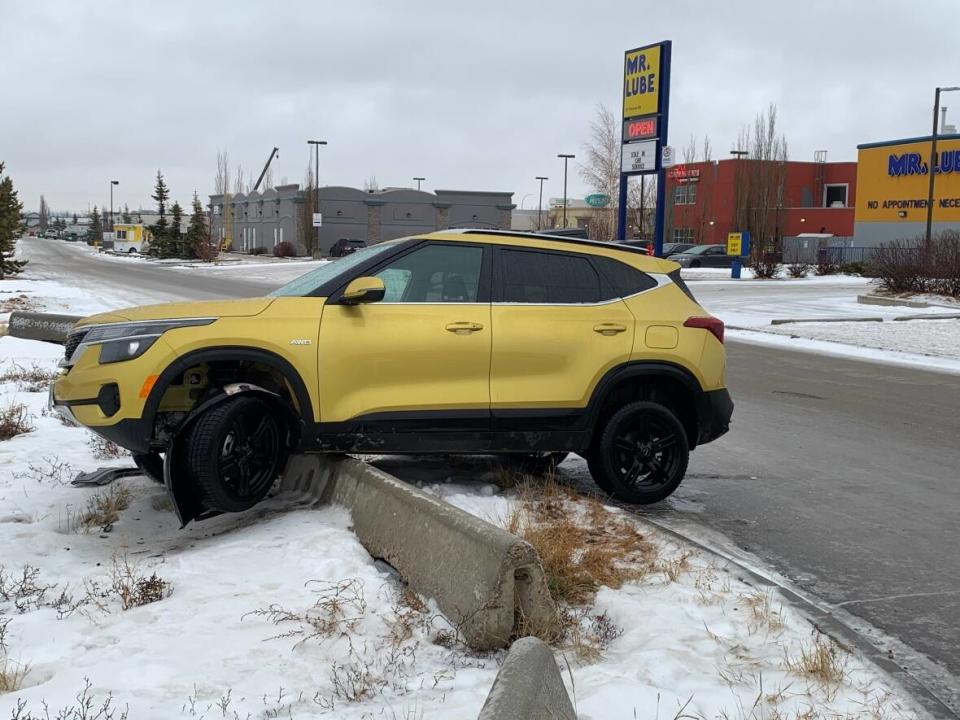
479	95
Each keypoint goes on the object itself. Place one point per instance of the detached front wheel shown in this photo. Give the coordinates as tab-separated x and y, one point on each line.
237	450
642	454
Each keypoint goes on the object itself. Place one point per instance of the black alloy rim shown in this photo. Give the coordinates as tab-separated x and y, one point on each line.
248	454
646	452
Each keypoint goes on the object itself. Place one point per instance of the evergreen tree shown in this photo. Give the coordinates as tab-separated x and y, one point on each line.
160	244
96	227
75	218
174	235
10	207
44	213
125	215
198	234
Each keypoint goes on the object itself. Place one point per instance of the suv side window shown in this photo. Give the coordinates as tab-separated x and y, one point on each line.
555	278
434	274
624	279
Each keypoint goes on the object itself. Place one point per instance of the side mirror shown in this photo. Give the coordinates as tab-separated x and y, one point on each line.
364	290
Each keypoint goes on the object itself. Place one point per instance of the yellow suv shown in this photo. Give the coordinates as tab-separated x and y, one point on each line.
467	341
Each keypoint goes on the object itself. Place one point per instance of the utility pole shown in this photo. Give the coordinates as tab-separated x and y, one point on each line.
419	179
565	159
112	183
933	162
541	178
316	170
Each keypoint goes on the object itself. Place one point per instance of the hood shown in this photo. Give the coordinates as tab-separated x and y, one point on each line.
169	311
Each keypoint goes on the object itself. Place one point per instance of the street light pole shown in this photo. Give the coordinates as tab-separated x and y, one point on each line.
541	178
565	159
112	183
933	161
419	179
316	172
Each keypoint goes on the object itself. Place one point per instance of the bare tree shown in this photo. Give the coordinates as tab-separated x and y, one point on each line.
371	185
759	184
268	179
601	170
307	233
221	180
238	185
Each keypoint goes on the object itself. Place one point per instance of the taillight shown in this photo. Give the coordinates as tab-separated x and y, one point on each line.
714	325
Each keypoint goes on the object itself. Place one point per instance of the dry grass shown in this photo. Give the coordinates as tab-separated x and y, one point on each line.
12	675
28	379
822	661
128	585
582	544
104	449
86	707
763	615
104	508
339	608
14	420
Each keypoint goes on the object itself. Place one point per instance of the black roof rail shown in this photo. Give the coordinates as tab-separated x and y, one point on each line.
556	238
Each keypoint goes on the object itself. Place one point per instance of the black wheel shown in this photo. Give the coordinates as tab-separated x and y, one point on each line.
533	463
642	454
150	464
236	451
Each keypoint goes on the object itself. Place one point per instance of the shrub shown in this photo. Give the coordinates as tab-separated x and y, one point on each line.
284	249
827	262
853	268
765	266
257	251
798	269
14	420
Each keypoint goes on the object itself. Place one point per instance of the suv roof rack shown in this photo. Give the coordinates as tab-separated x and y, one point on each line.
557	238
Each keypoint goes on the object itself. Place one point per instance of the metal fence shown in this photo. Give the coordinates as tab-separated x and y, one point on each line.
832	250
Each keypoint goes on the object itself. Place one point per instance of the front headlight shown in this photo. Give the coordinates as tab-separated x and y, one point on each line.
128	340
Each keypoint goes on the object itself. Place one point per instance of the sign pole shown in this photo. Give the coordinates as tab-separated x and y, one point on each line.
664	124
622	209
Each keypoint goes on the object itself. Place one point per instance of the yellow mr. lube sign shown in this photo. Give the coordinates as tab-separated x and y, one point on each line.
641	81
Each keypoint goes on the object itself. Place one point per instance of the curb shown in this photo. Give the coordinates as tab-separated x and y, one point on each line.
786	321
928	316
528	686
487	582
880	300
47	327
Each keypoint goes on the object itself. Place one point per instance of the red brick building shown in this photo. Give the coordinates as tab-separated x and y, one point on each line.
702	199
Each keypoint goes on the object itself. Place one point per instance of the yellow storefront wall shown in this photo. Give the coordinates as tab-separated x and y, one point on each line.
892	184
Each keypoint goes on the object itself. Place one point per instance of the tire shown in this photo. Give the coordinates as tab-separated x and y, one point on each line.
150	464
642	454
236	451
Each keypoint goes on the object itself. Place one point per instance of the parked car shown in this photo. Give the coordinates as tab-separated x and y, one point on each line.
641	244
471	341
675	248
345	246
704	256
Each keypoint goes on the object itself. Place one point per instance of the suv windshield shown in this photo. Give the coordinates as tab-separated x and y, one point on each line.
305	284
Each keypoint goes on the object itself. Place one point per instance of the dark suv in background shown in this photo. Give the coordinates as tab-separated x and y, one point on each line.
345	246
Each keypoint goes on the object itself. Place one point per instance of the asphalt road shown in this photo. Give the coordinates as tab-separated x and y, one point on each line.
842	475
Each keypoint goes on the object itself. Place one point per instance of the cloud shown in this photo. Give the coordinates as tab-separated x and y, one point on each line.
478	96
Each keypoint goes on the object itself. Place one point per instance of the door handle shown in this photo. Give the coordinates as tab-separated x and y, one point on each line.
609	328
463	328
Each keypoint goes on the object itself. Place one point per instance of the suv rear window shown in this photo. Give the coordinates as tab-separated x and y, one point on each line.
554	278
624	280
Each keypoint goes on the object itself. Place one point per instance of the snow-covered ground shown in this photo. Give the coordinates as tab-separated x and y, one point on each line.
692	638
704	638
748	307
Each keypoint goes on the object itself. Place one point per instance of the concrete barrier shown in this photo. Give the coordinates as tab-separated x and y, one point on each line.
928	316
485	580
48	327
888	301
529	686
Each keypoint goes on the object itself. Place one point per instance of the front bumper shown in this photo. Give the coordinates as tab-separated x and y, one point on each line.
714	410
